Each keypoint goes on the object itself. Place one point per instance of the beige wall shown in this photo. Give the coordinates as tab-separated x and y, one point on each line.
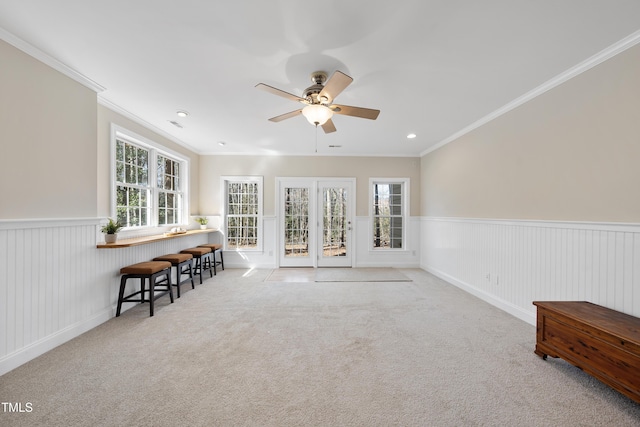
107	116
362	168
47	141
572	153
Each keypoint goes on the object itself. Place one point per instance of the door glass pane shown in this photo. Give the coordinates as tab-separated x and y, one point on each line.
334	230
296	222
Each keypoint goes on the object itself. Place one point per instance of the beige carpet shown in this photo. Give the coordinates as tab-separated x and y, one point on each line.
239	351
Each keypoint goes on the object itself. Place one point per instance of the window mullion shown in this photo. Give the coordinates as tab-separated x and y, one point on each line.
152	208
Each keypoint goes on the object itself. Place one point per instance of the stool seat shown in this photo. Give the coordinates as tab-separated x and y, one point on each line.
196	251
174	259
212	246
183	264
147	267
215	247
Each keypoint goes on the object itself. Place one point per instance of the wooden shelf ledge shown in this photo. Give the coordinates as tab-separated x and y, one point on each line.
144	240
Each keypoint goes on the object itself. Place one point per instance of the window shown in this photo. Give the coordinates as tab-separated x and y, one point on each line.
132	184
140	200
389	203
169	194
243	212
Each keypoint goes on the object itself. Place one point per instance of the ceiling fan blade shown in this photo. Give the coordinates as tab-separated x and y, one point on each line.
364	113
285	116
329	127
336	84
279	92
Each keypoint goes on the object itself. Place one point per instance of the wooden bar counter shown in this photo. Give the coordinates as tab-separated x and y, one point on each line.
144	240
602	342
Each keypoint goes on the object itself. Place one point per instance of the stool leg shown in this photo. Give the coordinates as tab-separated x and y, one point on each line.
178	275
199	267
210	254
123	282
152	292
221	260
190	264
169	285
213	255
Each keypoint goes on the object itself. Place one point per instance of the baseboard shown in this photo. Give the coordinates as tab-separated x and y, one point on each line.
25	354
491	299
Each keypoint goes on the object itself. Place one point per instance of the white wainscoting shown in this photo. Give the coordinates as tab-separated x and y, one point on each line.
364	256
264	258
55	284
510	264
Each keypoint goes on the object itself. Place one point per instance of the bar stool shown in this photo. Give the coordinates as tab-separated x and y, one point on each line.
215	247
183	264
203	260
145	271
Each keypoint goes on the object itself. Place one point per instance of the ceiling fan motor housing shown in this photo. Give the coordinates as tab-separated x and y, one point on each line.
311	93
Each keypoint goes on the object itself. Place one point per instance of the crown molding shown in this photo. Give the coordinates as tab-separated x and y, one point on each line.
600	57
114	107
49	60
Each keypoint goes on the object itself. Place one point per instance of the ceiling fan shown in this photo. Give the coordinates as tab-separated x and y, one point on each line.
318	99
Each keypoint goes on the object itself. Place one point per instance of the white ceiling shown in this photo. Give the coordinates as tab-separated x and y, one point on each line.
432	67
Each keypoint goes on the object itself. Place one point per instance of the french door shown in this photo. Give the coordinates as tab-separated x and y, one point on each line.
315	217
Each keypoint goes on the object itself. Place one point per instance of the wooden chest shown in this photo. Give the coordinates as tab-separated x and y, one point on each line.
600	341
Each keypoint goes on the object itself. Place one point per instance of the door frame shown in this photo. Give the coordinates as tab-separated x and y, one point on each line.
314	231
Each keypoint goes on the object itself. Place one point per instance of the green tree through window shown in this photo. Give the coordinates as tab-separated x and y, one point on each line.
132	184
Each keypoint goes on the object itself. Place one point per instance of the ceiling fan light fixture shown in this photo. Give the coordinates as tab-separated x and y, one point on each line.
317	114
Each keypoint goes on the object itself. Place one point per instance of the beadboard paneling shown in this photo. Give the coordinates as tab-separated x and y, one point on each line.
55	284
513	263
366	256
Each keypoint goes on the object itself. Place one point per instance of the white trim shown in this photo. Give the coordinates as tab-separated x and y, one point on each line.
49	60
283	154
572	72
30	352
485	296
577	225
116	108
32	223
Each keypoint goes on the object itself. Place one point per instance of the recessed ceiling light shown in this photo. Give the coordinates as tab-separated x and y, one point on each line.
176	124
182	113
411	136
222	143
335	146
